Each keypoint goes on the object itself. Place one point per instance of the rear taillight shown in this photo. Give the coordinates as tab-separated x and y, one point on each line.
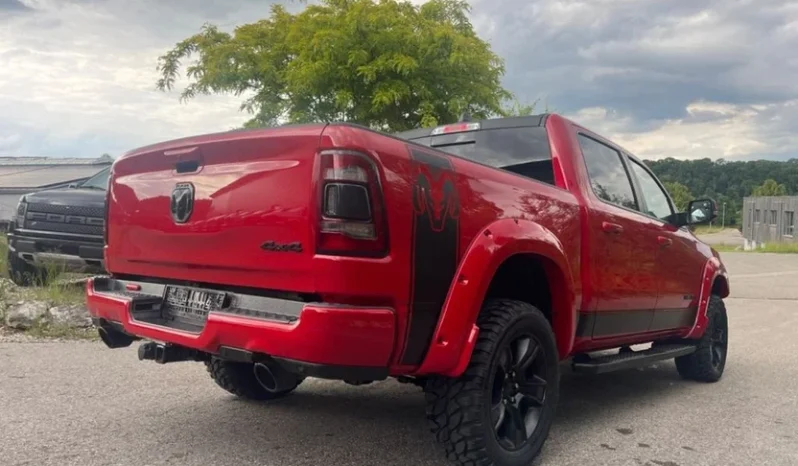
352	218
105	211
105	224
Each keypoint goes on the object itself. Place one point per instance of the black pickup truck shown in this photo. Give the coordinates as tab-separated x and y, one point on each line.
58	230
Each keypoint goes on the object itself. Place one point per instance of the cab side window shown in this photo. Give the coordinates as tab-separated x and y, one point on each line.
608	177
656	200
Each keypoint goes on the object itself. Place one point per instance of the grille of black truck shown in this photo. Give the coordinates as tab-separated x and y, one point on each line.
65	219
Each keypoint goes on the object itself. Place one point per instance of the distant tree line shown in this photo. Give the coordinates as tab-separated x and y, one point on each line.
727	182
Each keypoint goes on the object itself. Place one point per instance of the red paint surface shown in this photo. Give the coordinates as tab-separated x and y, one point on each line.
714	271
338	336
261	186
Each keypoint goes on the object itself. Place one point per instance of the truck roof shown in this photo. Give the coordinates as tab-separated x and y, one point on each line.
491	123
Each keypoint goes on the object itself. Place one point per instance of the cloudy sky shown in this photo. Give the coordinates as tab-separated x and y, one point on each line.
679	78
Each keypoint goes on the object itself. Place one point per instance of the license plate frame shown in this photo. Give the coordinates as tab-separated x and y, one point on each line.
190	305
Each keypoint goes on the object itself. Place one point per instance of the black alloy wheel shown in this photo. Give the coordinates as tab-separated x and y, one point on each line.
718	344
708	362
519	392
500	410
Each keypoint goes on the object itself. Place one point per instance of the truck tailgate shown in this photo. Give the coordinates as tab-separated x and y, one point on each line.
215	208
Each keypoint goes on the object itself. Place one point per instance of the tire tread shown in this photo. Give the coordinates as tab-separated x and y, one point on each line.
698	366
454	405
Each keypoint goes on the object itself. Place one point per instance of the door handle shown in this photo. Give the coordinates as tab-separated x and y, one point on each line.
663	241
611	227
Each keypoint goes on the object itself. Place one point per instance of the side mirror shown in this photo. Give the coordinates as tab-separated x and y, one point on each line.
701	211
72	185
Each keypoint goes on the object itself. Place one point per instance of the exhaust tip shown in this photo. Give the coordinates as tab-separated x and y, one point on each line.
265	377
273	378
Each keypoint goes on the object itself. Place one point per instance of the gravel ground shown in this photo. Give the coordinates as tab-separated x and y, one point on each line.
77	403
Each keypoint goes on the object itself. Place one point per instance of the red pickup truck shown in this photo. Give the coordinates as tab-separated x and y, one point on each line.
471	259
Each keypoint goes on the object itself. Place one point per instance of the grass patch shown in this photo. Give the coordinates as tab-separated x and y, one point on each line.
708	230
779	248
60	289
58	293
62	332
3	255
727	248
776	248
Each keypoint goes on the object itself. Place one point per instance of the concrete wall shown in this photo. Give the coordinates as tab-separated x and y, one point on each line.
770	219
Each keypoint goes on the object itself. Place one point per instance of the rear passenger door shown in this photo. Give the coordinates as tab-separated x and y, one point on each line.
621	252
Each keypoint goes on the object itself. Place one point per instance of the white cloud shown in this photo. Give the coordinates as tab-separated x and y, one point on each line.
682	78
79	80
710	129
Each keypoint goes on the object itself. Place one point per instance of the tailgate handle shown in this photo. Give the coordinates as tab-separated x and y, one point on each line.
189	159
187	166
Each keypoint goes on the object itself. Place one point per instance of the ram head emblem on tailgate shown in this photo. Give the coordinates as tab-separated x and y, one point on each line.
182	203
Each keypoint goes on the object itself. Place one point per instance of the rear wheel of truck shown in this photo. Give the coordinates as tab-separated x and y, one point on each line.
240	379
709	360
500	410
23	273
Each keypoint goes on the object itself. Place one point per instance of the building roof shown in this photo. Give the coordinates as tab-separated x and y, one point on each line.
22	174
105	159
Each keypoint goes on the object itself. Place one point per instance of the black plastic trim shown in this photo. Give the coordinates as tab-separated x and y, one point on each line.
88	251
266	293
609	323
333	372
629	360
236	354
491	123
73	238
146	304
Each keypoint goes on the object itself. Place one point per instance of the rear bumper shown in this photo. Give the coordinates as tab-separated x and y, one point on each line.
318	339
43	248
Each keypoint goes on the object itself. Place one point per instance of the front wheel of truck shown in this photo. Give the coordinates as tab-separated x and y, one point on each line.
240	379
500	410
709	360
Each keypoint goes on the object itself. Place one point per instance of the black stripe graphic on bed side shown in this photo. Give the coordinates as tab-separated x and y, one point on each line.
436	231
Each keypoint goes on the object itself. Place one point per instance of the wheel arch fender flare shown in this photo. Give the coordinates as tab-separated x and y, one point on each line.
714	278
456	331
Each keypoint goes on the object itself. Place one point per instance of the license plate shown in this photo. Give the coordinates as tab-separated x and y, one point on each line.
190	304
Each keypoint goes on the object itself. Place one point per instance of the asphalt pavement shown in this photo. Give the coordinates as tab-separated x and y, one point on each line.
727	237
78	403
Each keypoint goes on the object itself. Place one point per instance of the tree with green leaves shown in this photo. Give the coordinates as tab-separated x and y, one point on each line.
770	188
514	107
387	64
679	193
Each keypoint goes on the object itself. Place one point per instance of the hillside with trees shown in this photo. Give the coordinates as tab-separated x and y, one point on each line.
726	181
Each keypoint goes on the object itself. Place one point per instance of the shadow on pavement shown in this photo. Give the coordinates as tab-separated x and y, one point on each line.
380	424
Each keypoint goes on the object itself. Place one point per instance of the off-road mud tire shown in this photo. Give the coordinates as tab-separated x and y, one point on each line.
458	409
239	379
699	366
